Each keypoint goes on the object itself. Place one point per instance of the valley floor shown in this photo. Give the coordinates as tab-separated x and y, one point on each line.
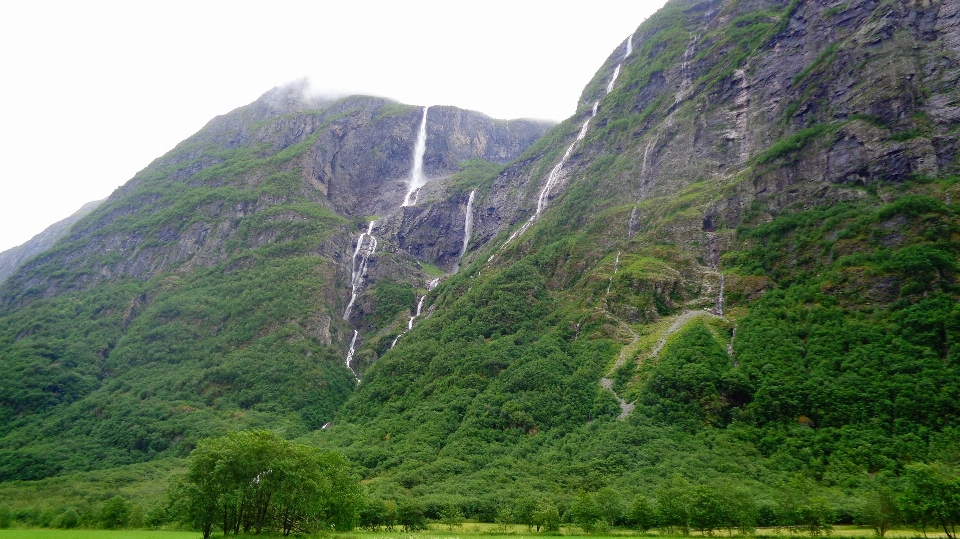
471	530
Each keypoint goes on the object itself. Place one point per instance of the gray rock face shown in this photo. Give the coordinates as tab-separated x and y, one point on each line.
13	258
352	156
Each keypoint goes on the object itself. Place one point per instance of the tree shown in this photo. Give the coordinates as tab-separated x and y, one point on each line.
114	513
411	514
641	515
547	516
932	497
879	509
611	508
707	510
524	509
673	506
255	481
451	516
586	513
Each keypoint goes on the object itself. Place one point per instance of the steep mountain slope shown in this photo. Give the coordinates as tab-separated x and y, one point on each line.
739	258
209	292
736	262
13	258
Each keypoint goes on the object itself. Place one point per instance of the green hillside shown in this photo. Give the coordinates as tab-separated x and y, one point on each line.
729	281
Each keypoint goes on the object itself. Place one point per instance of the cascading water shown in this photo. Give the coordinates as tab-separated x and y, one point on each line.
616	263
631	226
416	175
616	71
417	314
685	84
554	175
613	79
353	344
719	307
467	229
552	179
359	272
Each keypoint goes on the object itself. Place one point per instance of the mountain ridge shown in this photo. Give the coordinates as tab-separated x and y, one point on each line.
739	263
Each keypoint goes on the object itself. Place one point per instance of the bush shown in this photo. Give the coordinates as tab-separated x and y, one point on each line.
6	516
68	519
115	513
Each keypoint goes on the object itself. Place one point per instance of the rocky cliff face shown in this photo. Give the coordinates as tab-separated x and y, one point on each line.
13	258
724	151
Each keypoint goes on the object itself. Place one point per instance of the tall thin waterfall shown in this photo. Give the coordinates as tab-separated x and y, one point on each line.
616	72
467	229
594	112
416	176
615	264
353	344
613	79
552	180
360	257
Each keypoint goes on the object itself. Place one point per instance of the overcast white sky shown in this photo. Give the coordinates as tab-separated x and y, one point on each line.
91	92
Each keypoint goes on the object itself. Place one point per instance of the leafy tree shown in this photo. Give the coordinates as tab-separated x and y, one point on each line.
115	513
708	511
673	506
68	519
611	507
255	481
641	515
451	517
547	516
932	497
524	509
6	516
879	509
411	514
586	513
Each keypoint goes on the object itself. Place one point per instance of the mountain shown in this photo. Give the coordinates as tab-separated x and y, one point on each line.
208	293
14	257
736	264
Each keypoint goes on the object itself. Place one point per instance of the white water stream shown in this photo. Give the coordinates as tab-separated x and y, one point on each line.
416	175
359	272
353	345
552	180
467	229
615	264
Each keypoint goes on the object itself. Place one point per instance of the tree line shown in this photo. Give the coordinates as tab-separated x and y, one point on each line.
256	482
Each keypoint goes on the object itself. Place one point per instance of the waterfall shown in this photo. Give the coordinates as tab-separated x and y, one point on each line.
353	344
595	105
616	72
467	229
633	223
419	309
416	176
552	180
616	263
359	270
719	306
686	83
433	284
